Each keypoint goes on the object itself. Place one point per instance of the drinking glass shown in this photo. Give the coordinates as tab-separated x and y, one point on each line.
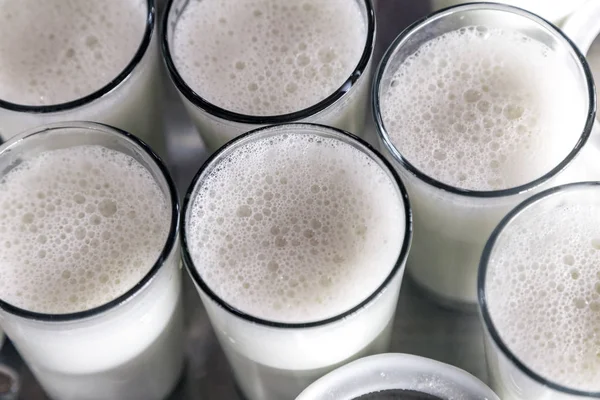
130	101
128	348
397	371
510	377
346	108
451	224
273	360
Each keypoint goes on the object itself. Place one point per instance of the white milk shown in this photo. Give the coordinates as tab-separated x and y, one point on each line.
270	57
553	10
476	109
72	50
297	228
543	295
79	227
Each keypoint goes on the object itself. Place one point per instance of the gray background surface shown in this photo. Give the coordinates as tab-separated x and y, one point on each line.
421	327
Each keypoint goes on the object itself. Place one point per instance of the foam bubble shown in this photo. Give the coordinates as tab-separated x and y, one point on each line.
296	228
54	51
484	109
543	291
78	228
267	57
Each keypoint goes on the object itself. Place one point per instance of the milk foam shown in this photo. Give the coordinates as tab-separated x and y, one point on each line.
55	51
296	227
543	292
268	57
484	109
78	228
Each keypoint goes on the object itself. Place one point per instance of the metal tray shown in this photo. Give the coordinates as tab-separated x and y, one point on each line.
421	327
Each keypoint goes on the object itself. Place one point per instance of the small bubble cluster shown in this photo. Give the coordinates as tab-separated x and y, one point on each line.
543	290
296	227
55	51
78	228
268	57
484	109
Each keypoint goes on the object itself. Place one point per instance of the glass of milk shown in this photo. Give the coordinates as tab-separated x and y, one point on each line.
476	118
242	64
91	283
408	376
539	297
80	61
554	11
296	237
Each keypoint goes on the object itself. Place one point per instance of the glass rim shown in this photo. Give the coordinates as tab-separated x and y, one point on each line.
486	318
469	193
168	247
395	363
225	114
105	89
336	133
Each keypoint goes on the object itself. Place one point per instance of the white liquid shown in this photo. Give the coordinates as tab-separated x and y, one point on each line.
303	228
553	10
476	109
268	57
78	228
57	51
543	293
74	49
271	57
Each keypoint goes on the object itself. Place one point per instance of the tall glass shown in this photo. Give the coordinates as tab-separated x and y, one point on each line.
511	373
274	360
398	372
451	223
130	101
128	348
346	108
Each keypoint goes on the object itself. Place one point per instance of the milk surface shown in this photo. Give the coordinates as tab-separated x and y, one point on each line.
484	109
296	228
543	290
268	57
55	51
78	228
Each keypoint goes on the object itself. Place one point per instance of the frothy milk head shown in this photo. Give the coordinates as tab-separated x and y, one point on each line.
55	51
268	57
543	288
295	227
78	227
485	109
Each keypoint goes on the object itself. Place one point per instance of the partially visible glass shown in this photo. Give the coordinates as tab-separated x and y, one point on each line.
411	374
556	11
511	372
583	28
130	101
273	360
130	347
451	223
345	109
